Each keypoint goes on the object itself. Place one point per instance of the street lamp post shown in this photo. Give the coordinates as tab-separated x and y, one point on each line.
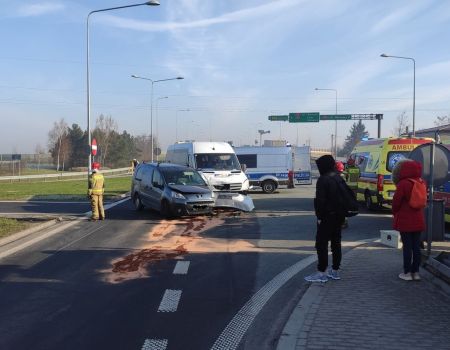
149	3
335	121
157	113
176	122
261	133
151	103
414	87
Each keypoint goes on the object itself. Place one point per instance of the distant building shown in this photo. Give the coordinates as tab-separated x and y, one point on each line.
443	130
275	143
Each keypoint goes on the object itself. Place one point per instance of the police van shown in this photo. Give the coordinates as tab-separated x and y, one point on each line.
269	167
374	160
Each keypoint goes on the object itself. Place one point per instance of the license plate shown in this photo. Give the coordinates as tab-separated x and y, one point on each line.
225	196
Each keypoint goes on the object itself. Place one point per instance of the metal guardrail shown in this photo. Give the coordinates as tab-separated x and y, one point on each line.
62	176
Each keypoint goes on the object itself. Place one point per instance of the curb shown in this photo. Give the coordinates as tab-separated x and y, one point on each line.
53	222
18	235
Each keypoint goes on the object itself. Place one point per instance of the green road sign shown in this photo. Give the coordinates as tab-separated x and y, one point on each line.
278	118
335	116
312	117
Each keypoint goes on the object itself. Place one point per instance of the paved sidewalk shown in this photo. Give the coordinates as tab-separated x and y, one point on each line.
370	308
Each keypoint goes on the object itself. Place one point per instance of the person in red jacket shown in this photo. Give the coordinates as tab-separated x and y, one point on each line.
409	221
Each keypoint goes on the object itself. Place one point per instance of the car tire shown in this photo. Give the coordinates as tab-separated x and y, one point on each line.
137	202
166	212
269	186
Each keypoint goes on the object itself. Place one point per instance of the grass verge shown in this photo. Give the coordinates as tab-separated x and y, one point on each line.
71	189
11	226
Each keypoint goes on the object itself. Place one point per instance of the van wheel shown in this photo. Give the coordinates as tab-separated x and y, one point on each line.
137	202
269	186
369	202
165	210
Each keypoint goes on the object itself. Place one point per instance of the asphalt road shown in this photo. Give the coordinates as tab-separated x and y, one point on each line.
135	281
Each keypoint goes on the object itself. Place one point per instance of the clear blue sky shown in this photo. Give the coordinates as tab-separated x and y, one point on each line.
242	60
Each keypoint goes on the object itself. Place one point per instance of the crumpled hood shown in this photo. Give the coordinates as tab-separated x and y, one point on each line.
190	189
325	164
405	169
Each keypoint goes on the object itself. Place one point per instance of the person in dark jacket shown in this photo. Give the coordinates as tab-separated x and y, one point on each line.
409	221
329	220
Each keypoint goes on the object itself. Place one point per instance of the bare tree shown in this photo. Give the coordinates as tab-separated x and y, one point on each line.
39	151
143	145
402	124
55	139
444	120
66	148
105	127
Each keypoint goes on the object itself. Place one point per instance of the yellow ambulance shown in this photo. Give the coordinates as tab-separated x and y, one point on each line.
373	161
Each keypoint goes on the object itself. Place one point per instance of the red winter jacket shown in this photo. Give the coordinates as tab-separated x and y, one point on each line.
407	219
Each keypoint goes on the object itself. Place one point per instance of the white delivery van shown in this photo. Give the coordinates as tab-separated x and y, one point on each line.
217	162
269	167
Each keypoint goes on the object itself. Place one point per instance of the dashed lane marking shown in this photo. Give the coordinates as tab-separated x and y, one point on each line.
155	344
170	300
181	268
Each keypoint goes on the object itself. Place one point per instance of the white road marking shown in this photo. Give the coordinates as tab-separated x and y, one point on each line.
170	300
109	206
181	268
155	344
232	335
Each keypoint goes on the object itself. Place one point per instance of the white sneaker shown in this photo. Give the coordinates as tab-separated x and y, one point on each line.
406	276
416	276
317	277
333	274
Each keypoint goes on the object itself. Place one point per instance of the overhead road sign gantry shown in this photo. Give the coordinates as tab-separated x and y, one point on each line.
311	117
335	116
278	118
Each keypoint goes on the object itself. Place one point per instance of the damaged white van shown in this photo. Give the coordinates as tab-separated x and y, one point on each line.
220	166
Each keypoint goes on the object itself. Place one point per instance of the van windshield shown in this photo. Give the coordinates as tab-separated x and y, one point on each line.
393	158
217	161
183	177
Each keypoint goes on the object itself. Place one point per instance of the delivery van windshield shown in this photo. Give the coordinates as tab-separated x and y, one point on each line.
217	161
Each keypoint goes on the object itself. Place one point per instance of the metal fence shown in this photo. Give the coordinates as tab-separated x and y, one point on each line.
63	176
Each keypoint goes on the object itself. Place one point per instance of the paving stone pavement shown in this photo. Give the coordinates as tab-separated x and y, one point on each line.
371	308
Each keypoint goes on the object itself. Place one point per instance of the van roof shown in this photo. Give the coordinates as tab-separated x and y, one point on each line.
394	141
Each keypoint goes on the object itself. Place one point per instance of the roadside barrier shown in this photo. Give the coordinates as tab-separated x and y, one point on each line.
63	176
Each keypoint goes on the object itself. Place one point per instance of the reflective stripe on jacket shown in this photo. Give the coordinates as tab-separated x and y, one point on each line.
96	183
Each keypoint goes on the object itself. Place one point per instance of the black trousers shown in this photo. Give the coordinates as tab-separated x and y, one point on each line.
411	249
329	229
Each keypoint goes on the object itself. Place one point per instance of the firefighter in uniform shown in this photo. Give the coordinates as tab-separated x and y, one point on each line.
352	175
95	192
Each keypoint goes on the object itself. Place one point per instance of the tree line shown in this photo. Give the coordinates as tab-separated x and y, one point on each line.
68	145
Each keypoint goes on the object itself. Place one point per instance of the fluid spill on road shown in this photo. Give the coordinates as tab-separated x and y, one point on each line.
173	239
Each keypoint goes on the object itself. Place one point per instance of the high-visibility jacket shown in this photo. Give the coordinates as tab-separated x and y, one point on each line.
96	184
352	176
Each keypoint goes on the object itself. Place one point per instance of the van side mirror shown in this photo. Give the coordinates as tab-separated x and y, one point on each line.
244	167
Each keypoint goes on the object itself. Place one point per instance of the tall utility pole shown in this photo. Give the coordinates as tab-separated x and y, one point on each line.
414	87
88	91
151	104
261	133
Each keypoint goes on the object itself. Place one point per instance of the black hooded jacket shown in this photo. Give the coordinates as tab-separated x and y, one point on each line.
326	202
